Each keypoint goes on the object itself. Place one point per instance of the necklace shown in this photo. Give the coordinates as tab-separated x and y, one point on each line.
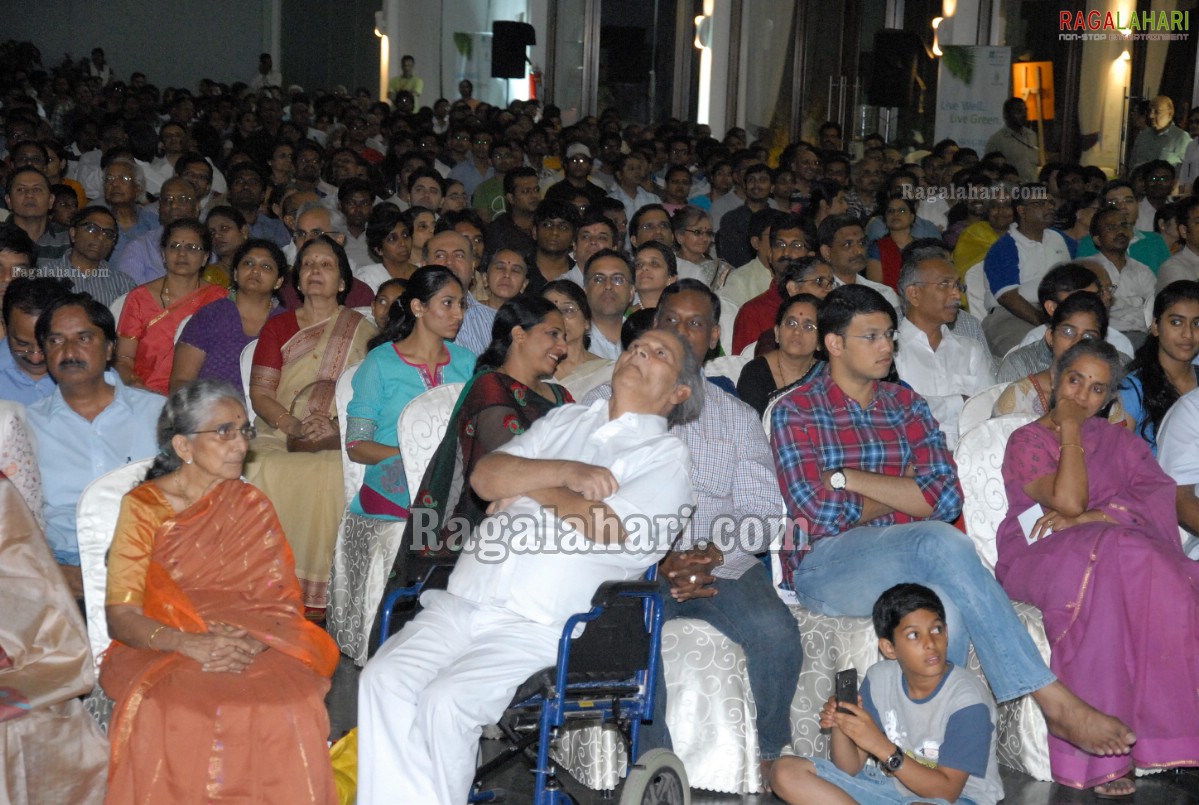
164	296
778	365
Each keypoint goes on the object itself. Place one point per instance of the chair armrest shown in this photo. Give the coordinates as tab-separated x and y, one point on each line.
609	591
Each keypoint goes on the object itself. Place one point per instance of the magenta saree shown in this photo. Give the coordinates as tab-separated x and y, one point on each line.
1120	601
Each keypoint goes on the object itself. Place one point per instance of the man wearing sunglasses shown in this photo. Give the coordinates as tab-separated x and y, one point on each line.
940	365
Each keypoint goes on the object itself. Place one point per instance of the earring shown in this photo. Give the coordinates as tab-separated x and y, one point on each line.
188	461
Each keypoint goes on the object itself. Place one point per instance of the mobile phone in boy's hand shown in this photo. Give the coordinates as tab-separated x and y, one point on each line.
847	688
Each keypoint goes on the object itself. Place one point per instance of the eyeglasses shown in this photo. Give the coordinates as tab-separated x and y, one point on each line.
300	234
806	326
178	199
819	282
568	311
873	338
103	231
228	432
193	176
1069	331
649	226
615	280
798	245
946	285
27	353
177	246
700	233
113	179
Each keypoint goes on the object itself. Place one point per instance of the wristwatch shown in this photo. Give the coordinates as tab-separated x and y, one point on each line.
838	480
894	763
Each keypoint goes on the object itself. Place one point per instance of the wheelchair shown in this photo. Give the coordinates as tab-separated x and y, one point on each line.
606	675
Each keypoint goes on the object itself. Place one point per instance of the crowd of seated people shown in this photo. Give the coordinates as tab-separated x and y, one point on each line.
151	240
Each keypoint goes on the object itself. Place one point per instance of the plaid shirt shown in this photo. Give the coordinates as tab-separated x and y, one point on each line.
817	427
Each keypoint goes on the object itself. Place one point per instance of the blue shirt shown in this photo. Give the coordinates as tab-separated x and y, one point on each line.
147	219
272	229
142	259
16	385
72	452
475	332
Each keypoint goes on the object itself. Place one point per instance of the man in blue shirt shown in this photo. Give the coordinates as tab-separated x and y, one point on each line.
23	375
91	424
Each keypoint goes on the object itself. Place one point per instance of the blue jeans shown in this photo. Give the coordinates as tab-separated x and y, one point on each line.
844	575
749	612
871	787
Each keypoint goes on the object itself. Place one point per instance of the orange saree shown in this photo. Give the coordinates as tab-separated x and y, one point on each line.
179	734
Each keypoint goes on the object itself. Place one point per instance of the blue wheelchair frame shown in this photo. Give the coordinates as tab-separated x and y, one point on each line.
627	700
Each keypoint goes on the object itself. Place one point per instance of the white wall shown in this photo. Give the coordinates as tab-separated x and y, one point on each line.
174	43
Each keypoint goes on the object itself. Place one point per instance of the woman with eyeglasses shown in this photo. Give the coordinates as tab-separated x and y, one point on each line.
212	664
580	371
885	256
693	238
153	312
808	275
1081	316
795	359
1163	368
211	343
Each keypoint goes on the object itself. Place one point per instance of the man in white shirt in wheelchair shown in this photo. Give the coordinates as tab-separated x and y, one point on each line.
587	495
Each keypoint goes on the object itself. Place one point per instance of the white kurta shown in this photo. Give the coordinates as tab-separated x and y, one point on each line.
426	696
960	367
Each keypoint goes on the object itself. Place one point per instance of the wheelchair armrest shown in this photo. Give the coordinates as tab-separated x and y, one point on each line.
609	591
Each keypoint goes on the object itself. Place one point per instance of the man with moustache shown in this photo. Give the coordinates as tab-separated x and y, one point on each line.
792	238
92	423
941	366
1135	285
608	283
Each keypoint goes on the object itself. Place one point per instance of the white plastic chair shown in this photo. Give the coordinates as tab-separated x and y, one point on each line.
182	324
352	472
728	316
748	350
979	457
729	366
977	409
247	363
95	523
422	425
117	306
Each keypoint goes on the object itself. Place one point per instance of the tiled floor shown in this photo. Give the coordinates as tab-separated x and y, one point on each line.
1167	788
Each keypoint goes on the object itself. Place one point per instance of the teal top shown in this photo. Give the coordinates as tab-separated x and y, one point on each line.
383	385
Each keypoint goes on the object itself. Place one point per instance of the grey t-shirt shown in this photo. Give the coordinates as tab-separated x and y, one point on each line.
954	727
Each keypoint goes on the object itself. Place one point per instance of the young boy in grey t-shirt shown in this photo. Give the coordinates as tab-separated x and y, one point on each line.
923	729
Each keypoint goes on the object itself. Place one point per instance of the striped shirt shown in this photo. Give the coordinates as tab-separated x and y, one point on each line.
104	284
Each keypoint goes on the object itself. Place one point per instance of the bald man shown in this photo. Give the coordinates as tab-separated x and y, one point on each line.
1161	139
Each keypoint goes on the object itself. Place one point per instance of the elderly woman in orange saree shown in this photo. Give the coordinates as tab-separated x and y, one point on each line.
300	355
218	679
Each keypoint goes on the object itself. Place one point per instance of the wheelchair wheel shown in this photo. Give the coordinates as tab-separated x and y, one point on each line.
658	778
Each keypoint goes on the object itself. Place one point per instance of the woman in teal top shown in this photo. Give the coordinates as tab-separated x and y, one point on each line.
411	355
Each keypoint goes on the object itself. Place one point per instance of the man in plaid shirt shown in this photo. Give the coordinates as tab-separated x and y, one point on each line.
872	490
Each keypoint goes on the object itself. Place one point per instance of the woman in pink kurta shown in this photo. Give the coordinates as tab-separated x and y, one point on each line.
1105	565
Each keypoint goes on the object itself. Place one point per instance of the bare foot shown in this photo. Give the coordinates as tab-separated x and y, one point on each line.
766	768
1116	789
1071	719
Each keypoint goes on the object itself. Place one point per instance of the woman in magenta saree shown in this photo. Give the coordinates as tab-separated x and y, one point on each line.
1105	565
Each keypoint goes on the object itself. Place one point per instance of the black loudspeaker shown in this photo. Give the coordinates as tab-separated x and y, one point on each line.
508	43
893	68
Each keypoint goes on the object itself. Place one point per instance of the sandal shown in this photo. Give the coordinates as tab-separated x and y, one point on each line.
1118	788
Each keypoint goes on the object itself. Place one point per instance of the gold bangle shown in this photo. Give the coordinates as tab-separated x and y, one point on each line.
279	418
1073	444
153	634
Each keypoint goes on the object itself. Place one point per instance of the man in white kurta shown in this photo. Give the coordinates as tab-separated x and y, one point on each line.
942	367
588	494
1134	281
